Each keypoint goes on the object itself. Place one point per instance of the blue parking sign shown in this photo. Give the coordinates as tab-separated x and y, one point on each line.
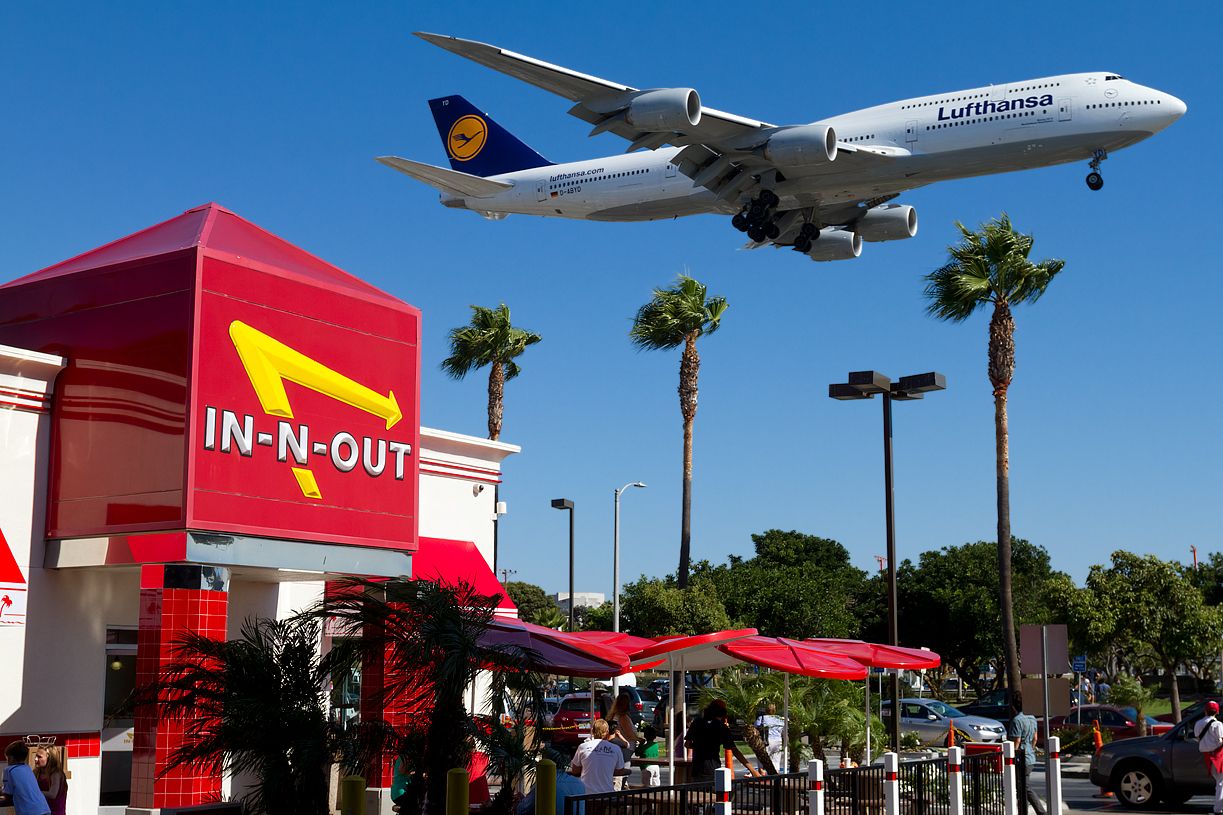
1079	664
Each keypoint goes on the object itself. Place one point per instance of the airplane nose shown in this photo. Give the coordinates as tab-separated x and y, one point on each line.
1175	107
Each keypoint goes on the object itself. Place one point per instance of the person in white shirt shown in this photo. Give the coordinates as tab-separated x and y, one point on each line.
770	726
597	760
1209	733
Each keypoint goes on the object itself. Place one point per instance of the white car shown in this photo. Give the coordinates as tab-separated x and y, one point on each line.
931	720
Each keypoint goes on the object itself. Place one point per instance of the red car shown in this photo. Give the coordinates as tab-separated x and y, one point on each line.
571	724
1120	722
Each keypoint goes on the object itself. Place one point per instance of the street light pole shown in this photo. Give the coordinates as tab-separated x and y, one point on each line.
616	569
565	503
864	385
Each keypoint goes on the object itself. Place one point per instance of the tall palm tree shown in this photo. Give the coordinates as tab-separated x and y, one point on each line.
991	267
489	339
674	317
255	704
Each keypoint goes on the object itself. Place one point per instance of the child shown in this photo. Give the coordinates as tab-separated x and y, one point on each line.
20	784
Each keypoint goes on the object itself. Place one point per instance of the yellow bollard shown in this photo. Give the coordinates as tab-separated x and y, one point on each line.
352	795
545	787
456	792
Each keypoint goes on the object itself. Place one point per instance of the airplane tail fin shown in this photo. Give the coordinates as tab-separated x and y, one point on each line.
477	145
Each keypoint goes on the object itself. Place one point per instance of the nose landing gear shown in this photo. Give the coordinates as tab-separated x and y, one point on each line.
1094	180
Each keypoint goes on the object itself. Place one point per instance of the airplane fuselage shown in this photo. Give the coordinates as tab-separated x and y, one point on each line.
980	131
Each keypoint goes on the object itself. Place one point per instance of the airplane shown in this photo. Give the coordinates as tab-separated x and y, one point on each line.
821	188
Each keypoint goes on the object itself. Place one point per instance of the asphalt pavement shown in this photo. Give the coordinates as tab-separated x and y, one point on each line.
1081	795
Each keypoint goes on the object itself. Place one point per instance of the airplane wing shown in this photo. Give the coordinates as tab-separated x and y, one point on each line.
451	181
590	91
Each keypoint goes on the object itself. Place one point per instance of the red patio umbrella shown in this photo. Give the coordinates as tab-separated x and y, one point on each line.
794	657
875	655
556	652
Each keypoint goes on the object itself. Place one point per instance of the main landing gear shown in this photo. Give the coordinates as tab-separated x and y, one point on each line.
1094	180
807	234
756	217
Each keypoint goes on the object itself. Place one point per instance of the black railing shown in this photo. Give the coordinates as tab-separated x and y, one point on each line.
856	791
923	787
770	794
982	779
681	799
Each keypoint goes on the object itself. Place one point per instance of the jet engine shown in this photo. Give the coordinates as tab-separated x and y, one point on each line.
664	110
802	146
893	222
836	244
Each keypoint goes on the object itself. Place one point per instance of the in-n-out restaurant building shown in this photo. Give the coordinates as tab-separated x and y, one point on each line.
200	423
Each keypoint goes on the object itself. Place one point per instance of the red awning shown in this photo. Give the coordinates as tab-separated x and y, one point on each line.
794	657
879	656
449	561
557	652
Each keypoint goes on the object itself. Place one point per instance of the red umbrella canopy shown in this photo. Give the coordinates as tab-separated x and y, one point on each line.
627	643
556	652
699	652
879	656
794	657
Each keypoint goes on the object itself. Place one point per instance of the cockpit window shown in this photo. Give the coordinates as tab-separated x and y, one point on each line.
1113	76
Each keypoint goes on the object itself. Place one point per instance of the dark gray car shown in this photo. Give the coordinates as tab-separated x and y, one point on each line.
1146	770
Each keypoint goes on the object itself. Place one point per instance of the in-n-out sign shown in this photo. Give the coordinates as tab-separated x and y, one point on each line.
268	363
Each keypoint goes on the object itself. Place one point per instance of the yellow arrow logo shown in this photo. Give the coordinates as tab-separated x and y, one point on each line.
269	362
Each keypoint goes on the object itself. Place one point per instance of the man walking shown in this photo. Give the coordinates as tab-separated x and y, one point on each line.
1022	731
1209	733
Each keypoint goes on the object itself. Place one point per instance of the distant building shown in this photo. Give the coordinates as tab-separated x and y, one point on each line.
583	599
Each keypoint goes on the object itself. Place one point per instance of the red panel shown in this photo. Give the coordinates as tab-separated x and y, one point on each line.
76	745
257	492
449	561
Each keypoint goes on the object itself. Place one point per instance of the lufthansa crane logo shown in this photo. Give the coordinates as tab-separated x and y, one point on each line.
467	137
269	363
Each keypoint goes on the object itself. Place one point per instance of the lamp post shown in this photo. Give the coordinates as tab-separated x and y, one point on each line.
864	385
565	503
616	571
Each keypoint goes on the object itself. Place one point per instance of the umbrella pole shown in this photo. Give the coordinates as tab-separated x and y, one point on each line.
671	726
868	716
785	729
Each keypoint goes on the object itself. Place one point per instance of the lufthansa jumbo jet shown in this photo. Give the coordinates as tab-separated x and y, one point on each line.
821	188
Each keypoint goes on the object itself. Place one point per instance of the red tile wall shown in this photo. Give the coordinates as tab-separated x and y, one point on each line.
76	745
165	614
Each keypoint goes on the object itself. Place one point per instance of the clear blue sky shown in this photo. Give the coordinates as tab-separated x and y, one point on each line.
121	115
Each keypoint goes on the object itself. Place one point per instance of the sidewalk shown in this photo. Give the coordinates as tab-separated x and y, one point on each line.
1076	766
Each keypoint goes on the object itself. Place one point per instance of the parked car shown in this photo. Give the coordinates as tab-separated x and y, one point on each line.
1191	712
931	720
994	704
1121	723
571	723
550	706
649	702
1144	771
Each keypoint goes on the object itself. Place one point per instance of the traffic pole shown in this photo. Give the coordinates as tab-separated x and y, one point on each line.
1099	742
815	787
1010	790
1053	774
955	779
721	791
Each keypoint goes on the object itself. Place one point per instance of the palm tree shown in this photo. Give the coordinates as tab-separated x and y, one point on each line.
991	267
674	317
489	339
430	639
256	704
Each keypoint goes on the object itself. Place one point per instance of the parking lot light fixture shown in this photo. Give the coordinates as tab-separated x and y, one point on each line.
565	503
864	385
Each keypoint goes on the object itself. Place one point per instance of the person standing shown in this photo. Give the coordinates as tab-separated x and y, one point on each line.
624	732
19	783
770	726
707	738
1022	731
52	780
597	760
1209	733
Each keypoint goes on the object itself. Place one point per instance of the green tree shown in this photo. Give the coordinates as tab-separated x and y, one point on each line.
1149	602
673	317
595	618
1128	691
533	603
256	705
489	339
991	267
651	607
551	618
949	586
797	585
